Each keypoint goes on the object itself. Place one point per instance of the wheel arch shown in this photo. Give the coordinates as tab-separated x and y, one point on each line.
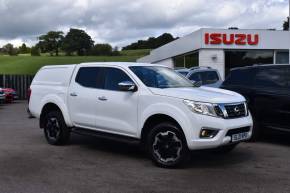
154	120
51	106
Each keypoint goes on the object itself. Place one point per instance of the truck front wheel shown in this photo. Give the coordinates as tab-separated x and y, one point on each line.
55	130
167	145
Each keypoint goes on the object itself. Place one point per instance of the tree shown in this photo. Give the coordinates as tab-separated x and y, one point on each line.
35	51
116	51
151	43
102	50
10	50
78	41
51	42
286	24
23	49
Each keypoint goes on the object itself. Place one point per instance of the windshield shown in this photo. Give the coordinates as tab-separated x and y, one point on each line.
160	77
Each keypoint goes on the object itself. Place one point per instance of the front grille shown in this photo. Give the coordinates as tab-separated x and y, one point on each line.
231	111
239	130
236	111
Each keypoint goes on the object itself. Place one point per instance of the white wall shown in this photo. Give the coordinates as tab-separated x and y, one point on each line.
206	58
167	62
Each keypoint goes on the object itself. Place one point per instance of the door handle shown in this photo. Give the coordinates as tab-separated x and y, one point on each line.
102	98
73	94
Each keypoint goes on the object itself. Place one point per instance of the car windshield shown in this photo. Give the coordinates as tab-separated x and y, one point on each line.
160	77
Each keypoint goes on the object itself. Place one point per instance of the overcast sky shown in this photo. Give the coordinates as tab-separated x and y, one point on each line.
120	22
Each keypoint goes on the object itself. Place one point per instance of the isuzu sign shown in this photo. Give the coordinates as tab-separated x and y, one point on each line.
231	39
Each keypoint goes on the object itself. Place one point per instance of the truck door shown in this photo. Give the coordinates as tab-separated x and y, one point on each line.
82	100
117	110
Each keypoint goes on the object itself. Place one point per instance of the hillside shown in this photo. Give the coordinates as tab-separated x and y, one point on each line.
29	65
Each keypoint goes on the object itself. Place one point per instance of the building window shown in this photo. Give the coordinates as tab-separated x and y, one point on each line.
186	61
178	62
240	58
282	57
191	60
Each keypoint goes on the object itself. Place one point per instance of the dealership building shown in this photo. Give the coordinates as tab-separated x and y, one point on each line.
224	49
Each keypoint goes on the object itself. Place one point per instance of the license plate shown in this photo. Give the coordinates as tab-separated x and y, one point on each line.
239	137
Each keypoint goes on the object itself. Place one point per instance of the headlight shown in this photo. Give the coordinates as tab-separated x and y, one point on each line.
201	108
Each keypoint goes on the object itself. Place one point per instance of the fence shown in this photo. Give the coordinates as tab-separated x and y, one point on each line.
20	83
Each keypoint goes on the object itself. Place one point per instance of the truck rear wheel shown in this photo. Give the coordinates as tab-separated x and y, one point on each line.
167	146
55	130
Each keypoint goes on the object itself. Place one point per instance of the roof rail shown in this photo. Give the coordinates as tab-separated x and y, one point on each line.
180	68
200	67
242	67
248	66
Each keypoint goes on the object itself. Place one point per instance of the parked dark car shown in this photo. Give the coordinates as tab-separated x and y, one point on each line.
267	90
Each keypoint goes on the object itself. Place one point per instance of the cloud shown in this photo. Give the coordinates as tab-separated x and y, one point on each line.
121	21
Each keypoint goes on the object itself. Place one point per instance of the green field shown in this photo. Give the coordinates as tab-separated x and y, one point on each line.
25	64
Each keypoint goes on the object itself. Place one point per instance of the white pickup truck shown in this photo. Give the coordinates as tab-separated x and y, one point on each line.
146	103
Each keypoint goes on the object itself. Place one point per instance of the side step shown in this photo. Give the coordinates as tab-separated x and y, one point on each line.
104	135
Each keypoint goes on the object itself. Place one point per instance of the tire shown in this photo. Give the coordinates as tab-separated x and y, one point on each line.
225	149
167	146
55	130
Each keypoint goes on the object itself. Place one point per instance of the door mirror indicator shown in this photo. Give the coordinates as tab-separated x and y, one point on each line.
127	86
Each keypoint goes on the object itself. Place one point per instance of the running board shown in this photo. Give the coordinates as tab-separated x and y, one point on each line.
104	135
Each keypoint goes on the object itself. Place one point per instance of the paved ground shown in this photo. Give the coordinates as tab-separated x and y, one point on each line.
29	164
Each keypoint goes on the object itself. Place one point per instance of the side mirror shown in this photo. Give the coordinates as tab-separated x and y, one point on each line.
196	83
127	86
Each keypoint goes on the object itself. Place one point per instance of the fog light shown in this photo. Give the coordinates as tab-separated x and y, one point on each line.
208	133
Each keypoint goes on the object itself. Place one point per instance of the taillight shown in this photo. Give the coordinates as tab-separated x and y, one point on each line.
29	94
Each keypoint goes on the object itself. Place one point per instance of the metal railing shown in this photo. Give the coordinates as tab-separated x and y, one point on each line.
20	83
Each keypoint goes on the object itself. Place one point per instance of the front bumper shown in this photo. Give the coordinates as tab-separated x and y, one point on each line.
223	125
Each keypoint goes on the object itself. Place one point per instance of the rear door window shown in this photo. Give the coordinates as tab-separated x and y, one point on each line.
90	77
272	77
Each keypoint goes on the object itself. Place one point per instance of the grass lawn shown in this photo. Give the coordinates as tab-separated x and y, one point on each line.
25	64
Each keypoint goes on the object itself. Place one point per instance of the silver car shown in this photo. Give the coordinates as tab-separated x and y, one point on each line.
203	76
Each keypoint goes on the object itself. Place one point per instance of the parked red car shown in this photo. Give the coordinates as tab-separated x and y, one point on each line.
10	94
